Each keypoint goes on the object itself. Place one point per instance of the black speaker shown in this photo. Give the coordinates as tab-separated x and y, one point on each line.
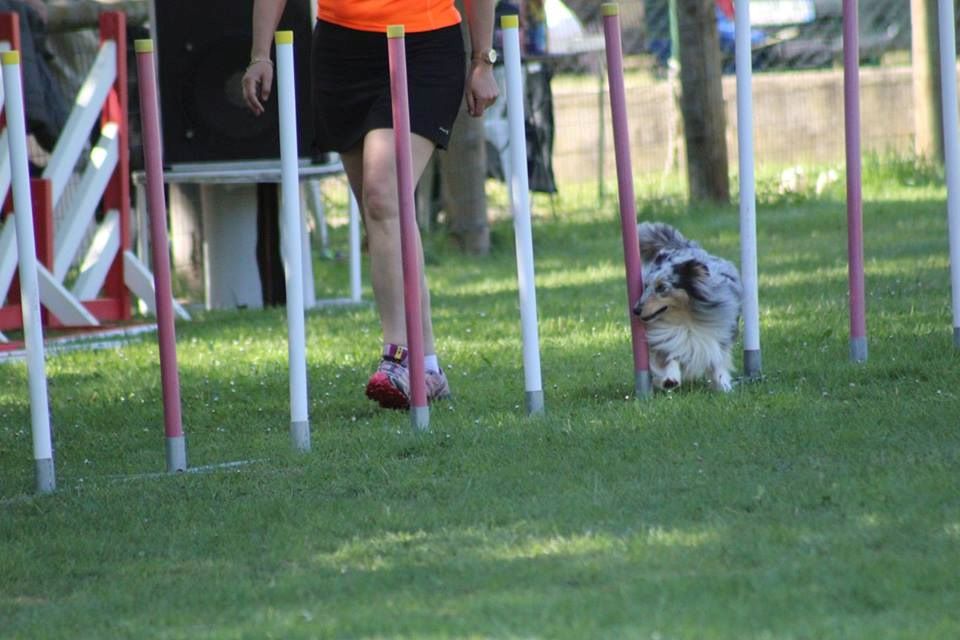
203	47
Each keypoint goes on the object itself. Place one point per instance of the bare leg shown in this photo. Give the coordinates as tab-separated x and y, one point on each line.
371	169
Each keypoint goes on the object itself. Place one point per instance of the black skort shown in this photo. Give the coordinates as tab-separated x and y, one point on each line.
351	84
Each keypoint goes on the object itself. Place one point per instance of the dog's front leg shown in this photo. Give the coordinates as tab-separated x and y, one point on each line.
721	379
669	378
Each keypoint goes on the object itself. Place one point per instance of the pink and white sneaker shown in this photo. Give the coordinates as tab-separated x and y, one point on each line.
390	383
438	388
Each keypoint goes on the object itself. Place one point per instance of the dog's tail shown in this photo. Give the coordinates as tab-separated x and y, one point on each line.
657	236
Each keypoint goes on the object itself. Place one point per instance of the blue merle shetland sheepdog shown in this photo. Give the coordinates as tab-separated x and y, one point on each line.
690	307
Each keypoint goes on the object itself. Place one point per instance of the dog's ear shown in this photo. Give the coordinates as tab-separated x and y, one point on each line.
692	270
693	275
693	279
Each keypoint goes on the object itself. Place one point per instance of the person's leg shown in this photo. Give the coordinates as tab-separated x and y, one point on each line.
381	211
371	169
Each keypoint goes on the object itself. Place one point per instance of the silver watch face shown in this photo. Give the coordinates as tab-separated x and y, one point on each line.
492	56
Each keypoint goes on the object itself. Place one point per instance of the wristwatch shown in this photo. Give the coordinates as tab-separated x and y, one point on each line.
488	56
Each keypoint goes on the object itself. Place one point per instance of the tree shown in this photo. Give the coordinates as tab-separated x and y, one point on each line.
701	101
463	170
928	116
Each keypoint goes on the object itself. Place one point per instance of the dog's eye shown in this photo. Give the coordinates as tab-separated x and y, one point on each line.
660	288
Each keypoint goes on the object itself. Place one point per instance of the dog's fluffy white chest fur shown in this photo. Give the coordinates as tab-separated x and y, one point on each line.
693	347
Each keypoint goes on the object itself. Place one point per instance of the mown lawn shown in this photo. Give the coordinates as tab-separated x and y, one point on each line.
822	501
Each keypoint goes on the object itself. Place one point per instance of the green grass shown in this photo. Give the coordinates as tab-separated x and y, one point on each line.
820	502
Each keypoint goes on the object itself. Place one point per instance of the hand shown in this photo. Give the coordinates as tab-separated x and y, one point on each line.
482	89
257	83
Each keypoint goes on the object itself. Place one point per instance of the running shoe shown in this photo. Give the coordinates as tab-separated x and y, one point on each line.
437	386
390	385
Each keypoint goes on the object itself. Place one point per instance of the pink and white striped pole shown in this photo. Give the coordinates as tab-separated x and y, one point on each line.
29	286
396	50
628	207
163	290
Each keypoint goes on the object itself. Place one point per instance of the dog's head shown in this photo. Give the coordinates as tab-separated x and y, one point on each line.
673	283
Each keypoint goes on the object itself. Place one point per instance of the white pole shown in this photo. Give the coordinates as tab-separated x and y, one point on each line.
355	291
748	199
948	83
290	224
520	202
29	287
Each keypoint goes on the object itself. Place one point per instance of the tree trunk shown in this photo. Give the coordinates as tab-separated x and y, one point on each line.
928	116
463	170
701	101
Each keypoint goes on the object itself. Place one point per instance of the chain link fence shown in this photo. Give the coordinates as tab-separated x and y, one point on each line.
798	86
788	34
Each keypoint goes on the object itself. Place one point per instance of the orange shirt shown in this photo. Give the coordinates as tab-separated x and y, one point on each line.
376	15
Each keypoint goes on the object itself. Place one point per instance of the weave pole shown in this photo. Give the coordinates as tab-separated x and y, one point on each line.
851	118
163	289
291	240
948	84
520	202
396	50
748	197
628	207
29	287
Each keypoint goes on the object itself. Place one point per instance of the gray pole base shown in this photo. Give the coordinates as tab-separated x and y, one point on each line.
176	454
956	337
535	405
858	349
420	418
300	435
46	476
751	363
642	385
